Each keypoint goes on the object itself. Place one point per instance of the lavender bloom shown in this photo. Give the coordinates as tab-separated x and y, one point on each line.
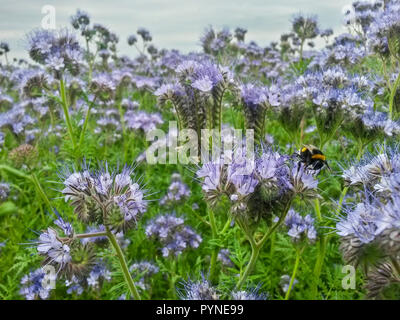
302	181
383	31
326	33
360	222
58	50
17	119
80	20
177	191
305	27
223	257
33	285
66	227
198	290
240	34
215	42
132	39
74	285
98	273
300	227
142	120
55	250
129	104
174	236
256	186
372	219
1	139
103	87
4	191
92	191
250	294
145	34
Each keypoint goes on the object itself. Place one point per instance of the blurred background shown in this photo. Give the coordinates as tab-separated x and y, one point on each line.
174	24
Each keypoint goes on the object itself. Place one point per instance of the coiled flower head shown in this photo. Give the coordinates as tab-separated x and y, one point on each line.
198	290
106	197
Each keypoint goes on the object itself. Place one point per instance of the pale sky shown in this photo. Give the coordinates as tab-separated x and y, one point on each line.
174	24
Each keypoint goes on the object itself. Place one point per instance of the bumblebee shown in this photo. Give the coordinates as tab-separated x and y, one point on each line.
312	157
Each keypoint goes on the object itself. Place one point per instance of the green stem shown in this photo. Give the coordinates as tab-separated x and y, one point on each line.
257	246
272	245
124	140
321	251
226	226
40	190
296	266
392	95
214	254
301	49
66	112
341	199
91	235
86	122
317	207
124	267
32	178
275	226
14	171
255	251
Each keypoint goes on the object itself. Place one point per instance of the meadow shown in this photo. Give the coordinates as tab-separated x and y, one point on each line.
312	212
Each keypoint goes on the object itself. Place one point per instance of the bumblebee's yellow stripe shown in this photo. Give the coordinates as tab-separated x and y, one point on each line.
304	149
318	156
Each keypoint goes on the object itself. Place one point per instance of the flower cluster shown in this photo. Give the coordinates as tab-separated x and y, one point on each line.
176	192
370	228
141	120
300	227
224	258
36	285
203	290
107	197
197	94
98	274
59	51
4	191
258	185
173	234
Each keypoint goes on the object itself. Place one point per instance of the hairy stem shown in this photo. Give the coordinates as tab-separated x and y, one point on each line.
40	190
392	95
255	251
214	254
86	122
124	267
296	266
66	112
257	246
318	264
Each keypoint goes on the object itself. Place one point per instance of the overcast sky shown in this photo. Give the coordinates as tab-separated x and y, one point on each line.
173	23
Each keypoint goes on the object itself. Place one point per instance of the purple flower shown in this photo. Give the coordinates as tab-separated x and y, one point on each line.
300	227
141	120
90	192
174	236
33	285
198	290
